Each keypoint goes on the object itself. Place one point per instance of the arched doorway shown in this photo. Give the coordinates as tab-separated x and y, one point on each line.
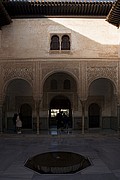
102	96
59	104
18	92
26	116
94	116
59	94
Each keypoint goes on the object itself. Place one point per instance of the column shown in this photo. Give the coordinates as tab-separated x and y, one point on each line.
118	95
1	113
82	90
1	124
1	103
118	117
37	91
83	116
37	109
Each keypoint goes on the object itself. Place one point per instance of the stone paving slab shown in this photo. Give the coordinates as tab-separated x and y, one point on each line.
76	177
97	167
103	152
18	171
117	173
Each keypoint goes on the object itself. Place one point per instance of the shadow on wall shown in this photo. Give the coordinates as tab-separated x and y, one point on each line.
92	38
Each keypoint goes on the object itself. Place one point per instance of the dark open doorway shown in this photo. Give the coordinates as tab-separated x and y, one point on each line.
94	116
59	104
26	116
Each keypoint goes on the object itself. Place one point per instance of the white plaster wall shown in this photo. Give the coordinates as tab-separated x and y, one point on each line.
30	38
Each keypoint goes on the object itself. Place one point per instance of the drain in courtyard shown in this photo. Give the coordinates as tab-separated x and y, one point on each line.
57	162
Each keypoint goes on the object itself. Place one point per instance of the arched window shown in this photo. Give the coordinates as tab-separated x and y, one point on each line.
67	84
53	84
65	44
55	44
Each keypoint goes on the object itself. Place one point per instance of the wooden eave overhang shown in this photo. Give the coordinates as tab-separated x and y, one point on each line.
23	9
11	9
114	14
4	16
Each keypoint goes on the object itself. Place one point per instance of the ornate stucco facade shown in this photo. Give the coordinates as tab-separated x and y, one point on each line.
28	67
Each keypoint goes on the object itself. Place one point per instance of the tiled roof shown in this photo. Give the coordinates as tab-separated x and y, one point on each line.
114	14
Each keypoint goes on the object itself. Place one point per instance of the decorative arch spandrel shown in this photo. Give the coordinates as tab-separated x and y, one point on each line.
11	71
53	67
50	69
107	72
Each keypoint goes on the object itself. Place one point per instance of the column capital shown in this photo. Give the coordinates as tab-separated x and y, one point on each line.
83	102
37	97
82	99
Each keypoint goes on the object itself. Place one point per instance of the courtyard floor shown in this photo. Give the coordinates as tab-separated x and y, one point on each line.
102	149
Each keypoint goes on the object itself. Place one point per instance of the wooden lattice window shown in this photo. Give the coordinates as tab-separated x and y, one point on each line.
65	43
55	44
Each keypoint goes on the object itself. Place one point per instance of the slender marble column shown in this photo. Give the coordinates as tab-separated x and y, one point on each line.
37	108
83	116
118	117
1	124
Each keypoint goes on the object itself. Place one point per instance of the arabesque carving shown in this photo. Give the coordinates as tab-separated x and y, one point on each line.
66	67
17	70
102	72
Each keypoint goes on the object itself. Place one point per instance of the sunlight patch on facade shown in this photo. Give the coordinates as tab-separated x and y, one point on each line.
95	33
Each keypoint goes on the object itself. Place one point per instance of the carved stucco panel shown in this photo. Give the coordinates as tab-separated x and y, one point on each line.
72	71
1	79
68	67
17	70
94	73
102	63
